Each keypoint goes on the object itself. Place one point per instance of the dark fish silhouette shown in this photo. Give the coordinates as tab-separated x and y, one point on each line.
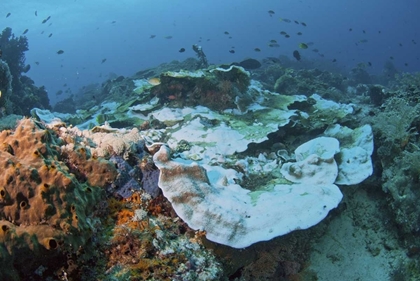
36	13
60	52
181	50
296	55
257	50
50	35
26	31
250	64
152	36
45	20
103	60
232	51
8	15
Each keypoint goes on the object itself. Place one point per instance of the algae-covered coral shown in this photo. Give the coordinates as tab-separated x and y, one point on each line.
46	211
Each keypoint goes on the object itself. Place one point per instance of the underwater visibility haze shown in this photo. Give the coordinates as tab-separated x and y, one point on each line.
210	140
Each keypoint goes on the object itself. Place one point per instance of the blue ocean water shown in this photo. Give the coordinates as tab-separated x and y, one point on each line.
102	37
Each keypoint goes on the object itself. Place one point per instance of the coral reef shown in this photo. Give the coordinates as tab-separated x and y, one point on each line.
25	94
46	212
14	49
309	81
5	88
149	243
234	216
217	89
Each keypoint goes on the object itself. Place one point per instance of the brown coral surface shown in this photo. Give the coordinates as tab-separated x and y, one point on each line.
45	211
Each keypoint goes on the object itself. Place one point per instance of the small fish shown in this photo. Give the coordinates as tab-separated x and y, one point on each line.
287	36
152	36
296	22
302	23
65	85
8	15
59	93
334	60
257	50
271	13
283	32
232	51
285	20
45	20
414	42
379	31
26	31
42	32
60	52
369	63
168	37
37	62
303	46
154	81
273	45
350	29
391	57
296	55
103	60
364	31
50	35
227	33
36	13
299	33
400	45
315	50
273	41
181	50
406	64
114	21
